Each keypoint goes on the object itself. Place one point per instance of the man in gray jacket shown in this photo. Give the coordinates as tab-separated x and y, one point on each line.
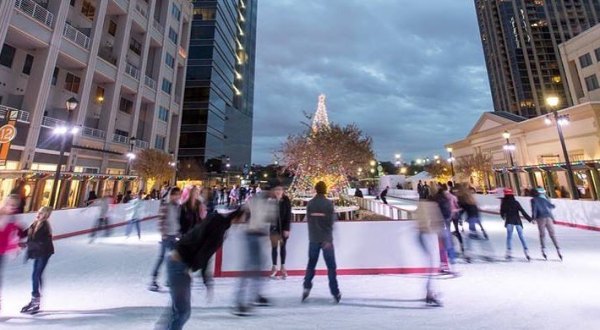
321	217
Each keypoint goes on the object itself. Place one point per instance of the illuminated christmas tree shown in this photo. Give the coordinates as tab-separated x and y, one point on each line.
320	120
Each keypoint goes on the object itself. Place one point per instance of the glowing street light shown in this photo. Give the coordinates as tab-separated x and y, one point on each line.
510	148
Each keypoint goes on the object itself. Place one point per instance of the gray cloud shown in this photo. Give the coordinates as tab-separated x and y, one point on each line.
409	73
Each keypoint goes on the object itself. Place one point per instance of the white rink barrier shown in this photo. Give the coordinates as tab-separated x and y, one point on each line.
351	191
72	222
361	248
403	194
392	210
573	213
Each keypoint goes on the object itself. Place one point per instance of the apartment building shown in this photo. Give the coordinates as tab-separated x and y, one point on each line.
122	60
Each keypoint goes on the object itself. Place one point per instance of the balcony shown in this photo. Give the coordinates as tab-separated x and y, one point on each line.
142	144
76	36
132	71
158	27
122	139
50	122
22	116
141	9
93	133
35	11
150	82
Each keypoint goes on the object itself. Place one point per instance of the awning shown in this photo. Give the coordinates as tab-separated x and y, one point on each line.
78	176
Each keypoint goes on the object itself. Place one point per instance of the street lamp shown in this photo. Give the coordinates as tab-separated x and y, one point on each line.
62	131
451	161
510	148
560	121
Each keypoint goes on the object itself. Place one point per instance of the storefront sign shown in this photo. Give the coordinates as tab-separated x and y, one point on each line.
7	133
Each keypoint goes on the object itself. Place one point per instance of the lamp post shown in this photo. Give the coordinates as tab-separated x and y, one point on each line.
71	104
560	121
510	148
130	157
451	161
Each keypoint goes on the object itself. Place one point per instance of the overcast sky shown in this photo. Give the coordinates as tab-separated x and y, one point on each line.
410	73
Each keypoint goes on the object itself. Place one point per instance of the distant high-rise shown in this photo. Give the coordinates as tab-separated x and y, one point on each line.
520	42
219	96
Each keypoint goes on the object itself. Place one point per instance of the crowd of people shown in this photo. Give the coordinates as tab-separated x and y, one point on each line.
192	230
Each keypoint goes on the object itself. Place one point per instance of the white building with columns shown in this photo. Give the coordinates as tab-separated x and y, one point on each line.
123	60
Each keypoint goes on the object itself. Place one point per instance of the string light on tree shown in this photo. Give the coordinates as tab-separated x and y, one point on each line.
321	119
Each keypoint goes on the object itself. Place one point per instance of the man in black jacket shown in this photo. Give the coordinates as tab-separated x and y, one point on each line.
193	252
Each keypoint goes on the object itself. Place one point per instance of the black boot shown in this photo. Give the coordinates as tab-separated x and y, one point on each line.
33	307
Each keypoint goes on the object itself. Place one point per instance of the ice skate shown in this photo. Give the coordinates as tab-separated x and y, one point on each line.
154	287
242	310
283	273
305	294
527	255
262	302
508	257
273	273
544	255
337	298
433	301
559	255
33	307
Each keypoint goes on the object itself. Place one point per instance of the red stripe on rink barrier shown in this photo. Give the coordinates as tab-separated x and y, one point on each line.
323	272
218	263
89	231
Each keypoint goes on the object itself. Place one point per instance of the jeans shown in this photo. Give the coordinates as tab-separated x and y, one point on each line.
509	232
429	254
384	199
39	264
543	225
166	245
446	238
474	236
250	284
130	224
102	223
313	257
177	315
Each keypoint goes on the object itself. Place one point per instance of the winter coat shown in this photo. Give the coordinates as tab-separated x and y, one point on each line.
198	245
168	219
444	205
471	210
9	235
509	211
189	217
541	208
285	216
321	216
262	214
39	240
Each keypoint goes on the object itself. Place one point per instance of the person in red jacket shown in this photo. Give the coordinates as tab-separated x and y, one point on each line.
9	229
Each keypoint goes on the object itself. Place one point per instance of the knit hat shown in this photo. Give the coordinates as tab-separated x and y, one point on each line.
508	191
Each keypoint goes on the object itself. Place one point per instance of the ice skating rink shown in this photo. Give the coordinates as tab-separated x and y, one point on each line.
103	286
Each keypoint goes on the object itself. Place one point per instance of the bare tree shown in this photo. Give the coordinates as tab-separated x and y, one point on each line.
153	166
477	166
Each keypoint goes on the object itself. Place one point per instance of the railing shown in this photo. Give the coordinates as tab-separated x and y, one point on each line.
158	27
76	36
123	4
94	133
150	82
37	12
142	144
52	122
120	138
22	116
140	9
396	212
132	71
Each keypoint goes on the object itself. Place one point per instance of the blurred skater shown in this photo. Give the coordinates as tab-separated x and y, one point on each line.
469	205
40	249
190	211
541	212
192	253
430	223
9	231
456	214
103	204
509	211
446	246
262	212
383	195
136	216
280	230
321	216
168	224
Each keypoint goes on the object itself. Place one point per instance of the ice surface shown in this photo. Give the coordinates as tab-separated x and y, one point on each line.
103	286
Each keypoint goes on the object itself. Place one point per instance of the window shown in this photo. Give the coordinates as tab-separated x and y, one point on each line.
176	12
88	10
585	60
28	64
592	83
112	28
72	83
167	86
99	95
135	46
122	133
55	76
205	14
125	105
160	142
170	60
173	35
597	51
7	55
163	114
